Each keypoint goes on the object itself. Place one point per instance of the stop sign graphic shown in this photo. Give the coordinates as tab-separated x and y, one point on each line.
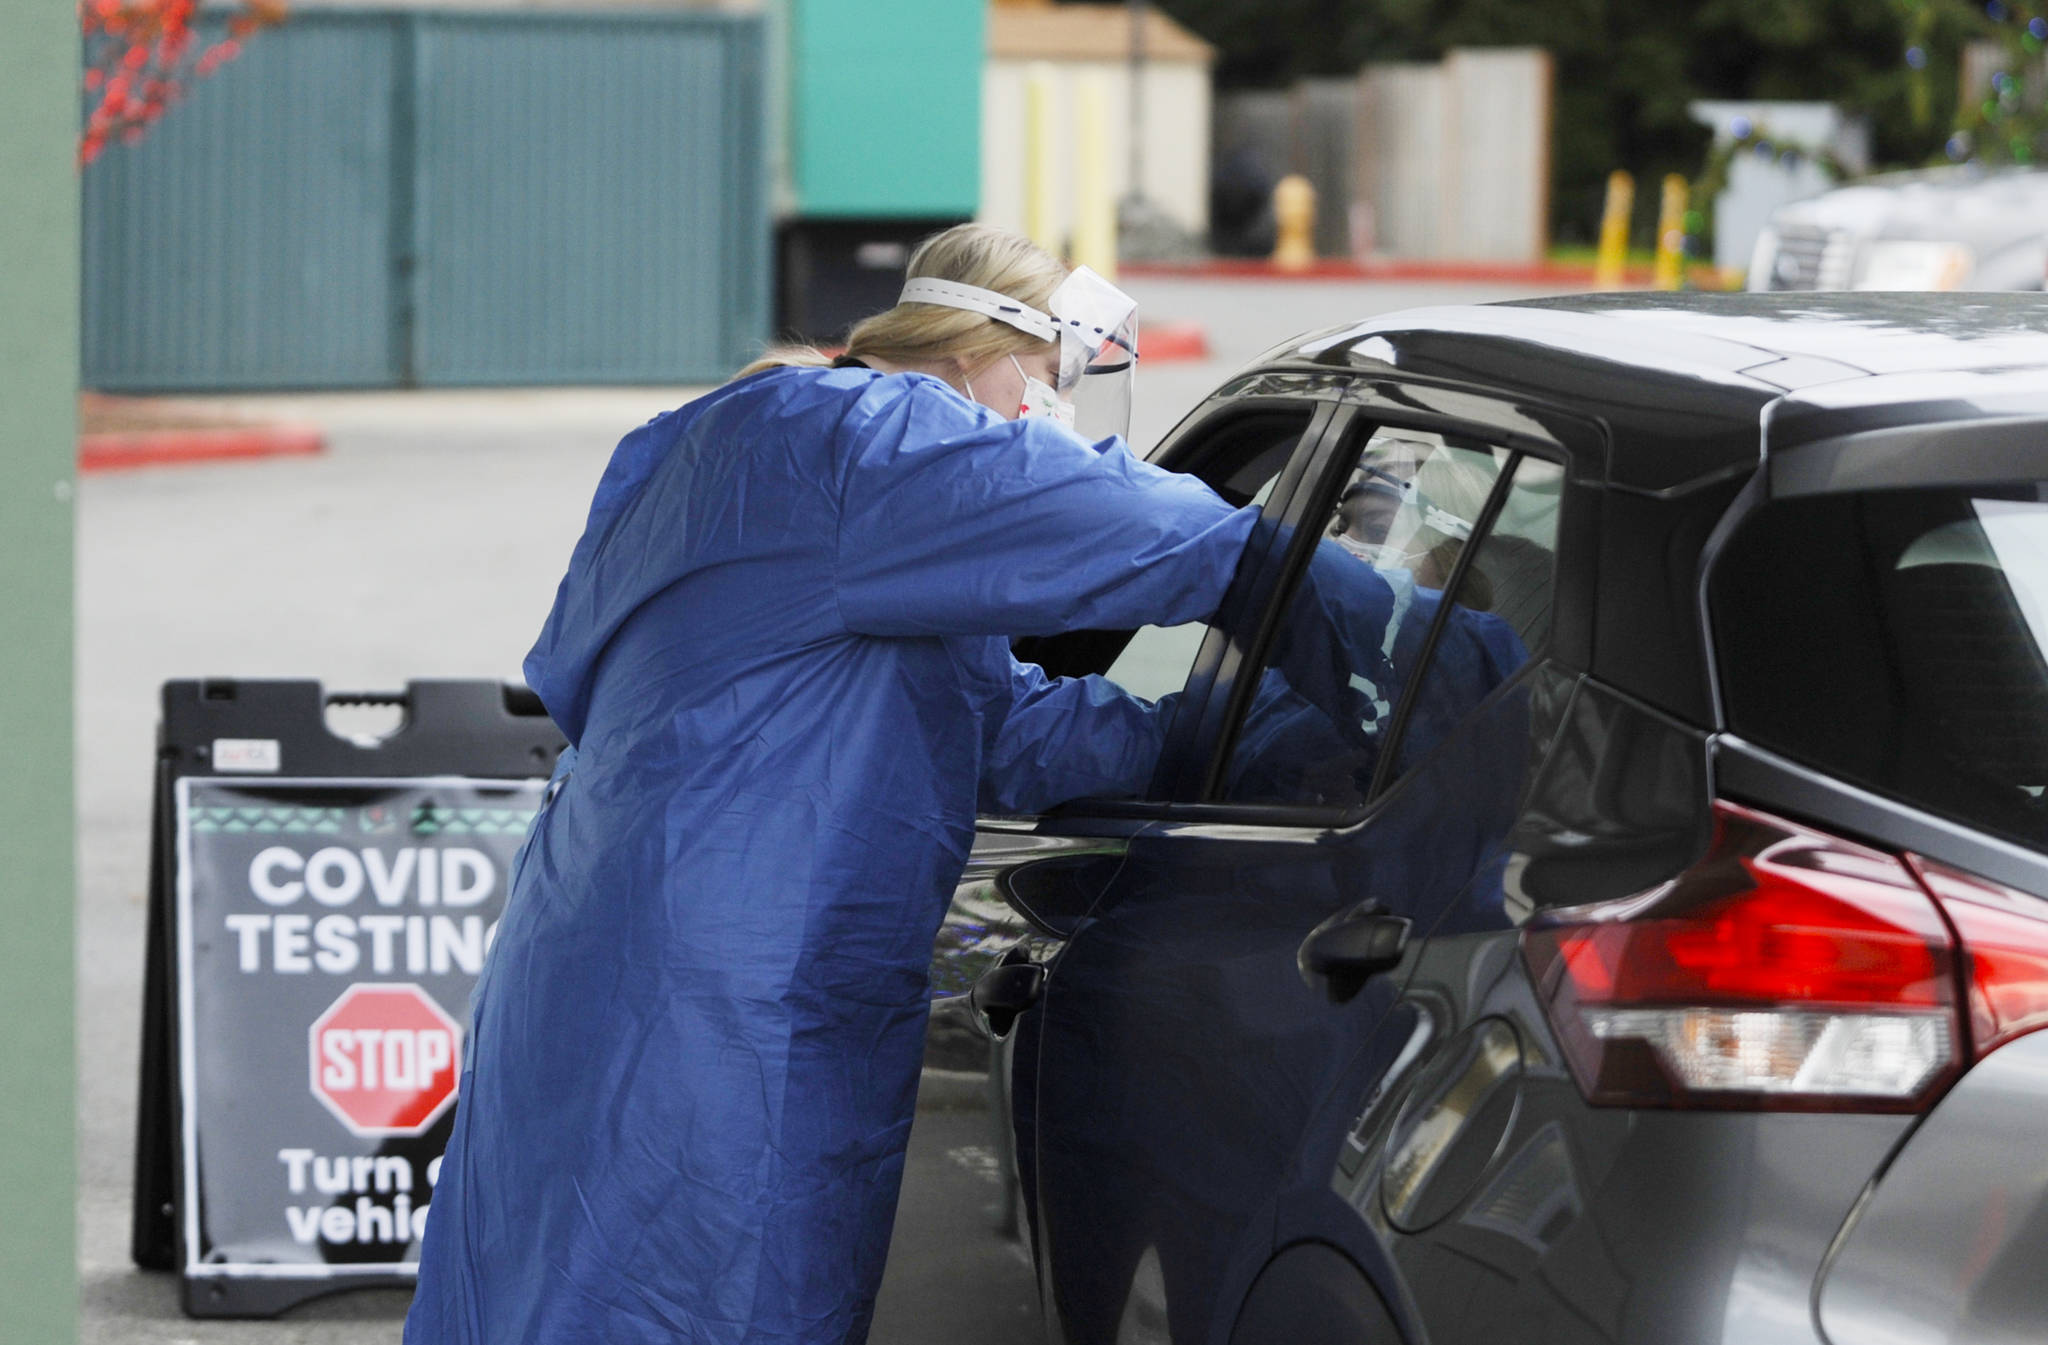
384	1059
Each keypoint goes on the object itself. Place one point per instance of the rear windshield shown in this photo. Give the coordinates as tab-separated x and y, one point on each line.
1895	639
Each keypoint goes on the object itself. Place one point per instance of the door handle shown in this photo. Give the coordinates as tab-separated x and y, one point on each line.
1350	948
1003	992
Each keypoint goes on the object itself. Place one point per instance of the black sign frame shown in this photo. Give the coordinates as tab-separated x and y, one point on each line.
250	732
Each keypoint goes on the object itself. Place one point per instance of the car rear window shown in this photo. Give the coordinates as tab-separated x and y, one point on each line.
1896	639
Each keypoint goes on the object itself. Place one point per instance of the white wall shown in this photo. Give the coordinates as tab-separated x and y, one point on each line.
1499	116
1176	137
1454	159
1400	177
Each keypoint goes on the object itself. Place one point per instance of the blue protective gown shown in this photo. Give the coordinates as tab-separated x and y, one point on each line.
780	653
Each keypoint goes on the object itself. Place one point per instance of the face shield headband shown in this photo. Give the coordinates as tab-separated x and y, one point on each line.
1095	324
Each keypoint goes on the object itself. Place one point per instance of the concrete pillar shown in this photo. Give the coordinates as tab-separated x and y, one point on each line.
39	68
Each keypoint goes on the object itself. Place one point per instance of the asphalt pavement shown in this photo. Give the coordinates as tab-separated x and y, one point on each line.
427	542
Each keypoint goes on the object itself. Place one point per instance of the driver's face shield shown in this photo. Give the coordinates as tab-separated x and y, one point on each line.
1410	507
1098	326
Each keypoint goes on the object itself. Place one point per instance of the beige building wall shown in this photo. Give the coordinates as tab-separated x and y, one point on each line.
1176	161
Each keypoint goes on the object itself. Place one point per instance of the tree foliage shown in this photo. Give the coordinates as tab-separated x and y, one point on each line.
2006	122
1626	70
141	54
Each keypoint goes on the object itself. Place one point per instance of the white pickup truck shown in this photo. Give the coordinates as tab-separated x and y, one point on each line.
1961	228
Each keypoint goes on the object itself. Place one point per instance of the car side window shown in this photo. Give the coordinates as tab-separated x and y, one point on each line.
1499	617
1158	659
1411	610
1241	456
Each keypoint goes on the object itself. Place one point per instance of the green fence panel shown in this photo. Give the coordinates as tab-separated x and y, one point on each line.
591	199
885	107
245	241
382	198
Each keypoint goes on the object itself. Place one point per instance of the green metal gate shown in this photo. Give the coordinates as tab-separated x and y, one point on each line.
375	199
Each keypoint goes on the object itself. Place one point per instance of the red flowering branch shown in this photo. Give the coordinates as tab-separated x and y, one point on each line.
141	54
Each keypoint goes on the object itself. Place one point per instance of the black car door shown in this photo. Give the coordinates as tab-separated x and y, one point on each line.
1373	711
952	1265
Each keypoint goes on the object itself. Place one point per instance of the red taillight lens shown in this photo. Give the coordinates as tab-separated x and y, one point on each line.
2005	944
1788	969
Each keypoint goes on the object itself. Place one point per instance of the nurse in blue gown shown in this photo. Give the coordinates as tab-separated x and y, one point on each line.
781	655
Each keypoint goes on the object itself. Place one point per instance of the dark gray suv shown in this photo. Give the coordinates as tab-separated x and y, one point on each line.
1609	910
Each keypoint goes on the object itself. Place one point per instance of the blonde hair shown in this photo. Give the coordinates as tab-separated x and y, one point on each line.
925	334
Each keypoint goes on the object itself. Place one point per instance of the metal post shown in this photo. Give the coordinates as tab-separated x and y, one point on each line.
39	72
1670	274
1611	268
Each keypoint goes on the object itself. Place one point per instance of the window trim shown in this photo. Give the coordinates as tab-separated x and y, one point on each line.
1251	598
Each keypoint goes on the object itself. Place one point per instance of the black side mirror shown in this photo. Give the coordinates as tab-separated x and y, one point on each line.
1350	948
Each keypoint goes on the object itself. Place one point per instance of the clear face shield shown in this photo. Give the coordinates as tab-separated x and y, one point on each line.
1414	501
1096	326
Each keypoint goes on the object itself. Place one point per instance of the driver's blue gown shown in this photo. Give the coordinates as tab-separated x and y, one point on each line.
780	654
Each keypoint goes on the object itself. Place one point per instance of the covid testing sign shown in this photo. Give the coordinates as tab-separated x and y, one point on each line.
329	932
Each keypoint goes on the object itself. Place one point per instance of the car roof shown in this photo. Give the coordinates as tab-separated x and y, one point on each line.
1877	333
1683	379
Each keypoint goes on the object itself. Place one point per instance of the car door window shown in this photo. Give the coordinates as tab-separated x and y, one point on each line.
1499	616
1158	659
1369	642
1239	454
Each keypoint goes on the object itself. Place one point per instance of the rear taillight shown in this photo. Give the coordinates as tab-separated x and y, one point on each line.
2004	935
1787	970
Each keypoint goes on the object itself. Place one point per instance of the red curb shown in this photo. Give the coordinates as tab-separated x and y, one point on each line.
119	450
1161	341
1253	268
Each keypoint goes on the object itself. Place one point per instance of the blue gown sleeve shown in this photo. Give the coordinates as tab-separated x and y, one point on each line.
1349	646
1351	637
1070	738
954	521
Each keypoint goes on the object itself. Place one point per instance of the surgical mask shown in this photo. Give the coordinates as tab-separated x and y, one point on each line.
1041	399
1379	555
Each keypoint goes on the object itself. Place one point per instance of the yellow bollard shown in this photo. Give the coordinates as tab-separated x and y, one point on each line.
1671	233
1040	106
1612	267
1294	219
1094	199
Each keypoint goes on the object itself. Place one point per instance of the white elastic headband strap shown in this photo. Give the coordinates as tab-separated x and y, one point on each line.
991	303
